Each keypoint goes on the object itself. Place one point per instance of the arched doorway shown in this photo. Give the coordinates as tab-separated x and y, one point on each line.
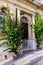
24	27
24	21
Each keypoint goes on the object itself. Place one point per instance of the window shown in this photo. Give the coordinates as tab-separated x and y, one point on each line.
2	14
1	22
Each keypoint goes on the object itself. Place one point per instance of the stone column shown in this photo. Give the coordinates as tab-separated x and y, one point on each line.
29	27
18	14
33	33
14	12
29	33
33	21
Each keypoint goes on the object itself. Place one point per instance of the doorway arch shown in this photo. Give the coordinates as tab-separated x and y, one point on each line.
24	27
24	21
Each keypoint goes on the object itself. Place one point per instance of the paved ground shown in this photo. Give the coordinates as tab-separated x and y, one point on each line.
32	58
36	61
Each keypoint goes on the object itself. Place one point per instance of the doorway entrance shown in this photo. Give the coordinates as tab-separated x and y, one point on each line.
25	32
24	27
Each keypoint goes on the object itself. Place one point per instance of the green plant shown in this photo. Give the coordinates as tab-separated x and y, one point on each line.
38	28
13	33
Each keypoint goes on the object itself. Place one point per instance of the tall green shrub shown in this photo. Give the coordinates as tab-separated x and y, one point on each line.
13	33
38	28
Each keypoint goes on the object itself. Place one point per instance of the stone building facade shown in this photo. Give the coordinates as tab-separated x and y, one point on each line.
25	10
